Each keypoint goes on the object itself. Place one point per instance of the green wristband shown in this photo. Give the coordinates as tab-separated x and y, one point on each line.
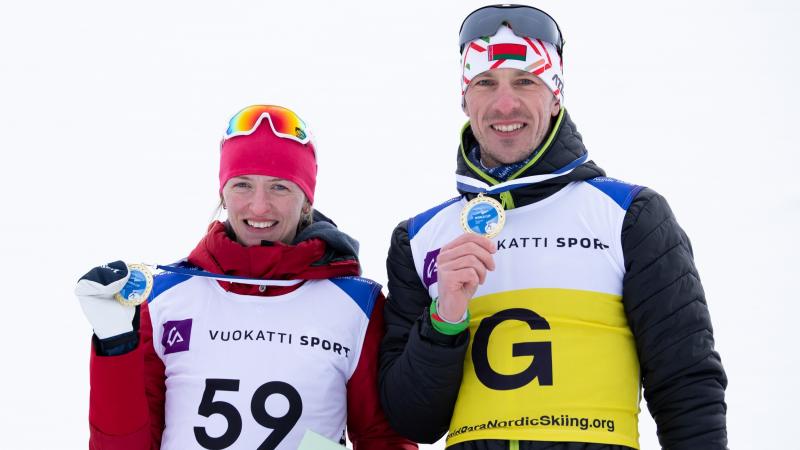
450	329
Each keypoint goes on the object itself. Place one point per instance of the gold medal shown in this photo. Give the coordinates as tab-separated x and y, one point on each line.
138	287
483	215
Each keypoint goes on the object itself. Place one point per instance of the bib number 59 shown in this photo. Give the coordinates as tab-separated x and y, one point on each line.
280	426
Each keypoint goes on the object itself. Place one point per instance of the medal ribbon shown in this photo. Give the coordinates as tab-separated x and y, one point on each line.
468	184
230	278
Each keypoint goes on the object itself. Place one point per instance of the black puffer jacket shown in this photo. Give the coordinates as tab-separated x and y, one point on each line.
683	379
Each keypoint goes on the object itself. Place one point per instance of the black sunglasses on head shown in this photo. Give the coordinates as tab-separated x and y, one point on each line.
525	21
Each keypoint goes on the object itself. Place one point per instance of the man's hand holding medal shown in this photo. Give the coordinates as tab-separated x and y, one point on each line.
462	266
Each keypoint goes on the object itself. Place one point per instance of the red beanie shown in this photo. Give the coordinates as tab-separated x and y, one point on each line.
264	153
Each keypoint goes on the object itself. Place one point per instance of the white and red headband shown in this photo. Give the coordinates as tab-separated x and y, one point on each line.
506	50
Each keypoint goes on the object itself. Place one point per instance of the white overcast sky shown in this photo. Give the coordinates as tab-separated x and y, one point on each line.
111	114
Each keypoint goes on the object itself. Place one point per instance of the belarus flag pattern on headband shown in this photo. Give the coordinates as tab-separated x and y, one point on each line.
507	50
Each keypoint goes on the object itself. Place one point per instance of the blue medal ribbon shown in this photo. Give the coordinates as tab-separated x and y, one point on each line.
468	184
231	278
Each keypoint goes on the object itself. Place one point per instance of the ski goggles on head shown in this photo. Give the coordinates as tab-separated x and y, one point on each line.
525	21
284	123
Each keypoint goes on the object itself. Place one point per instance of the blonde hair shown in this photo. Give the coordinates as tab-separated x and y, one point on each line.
306	216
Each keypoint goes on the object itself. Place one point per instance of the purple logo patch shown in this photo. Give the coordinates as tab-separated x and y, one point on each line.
429	273
177	334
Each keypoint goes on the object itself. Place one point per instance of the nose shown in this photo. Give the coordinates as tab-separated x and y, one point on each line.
260	202
506	101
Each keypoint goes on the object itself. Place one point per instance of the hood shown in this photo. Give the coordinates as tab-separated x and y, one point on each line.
562	146
339	246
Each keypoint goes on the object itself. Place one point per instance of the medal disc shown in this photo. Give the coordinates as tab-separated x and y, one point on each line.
483	215
138	287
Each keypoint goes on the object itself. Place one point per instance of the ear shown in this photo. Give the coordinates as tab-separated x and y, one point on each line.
555	107
464	104
222	201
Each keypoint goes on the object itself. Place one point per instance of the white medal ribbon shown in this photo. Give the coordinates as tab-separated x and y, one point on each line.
468	184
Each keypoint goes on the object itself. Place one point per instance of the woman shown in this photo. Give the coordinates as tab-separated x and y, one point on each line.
263	332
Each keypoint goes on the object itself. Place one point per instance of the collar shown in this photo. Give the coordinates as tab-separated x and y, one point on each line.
562	146
537	154
305	260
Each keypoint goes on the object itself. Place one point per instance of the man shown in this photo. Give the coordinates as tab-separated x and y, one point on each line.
542	334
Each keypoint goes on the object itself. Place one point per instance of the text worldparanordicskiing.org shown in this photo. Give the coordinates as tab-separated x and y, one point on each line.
583	423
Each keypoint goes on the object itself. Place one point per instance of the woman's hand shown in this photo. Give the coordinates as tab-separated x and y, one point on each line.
96	290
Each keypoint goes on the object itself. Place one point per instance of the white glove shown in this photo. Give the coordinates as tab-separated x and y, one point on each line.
96	290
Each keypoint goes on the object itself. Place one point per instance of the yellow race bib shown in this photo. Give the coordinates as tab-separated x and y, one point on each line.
549	365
